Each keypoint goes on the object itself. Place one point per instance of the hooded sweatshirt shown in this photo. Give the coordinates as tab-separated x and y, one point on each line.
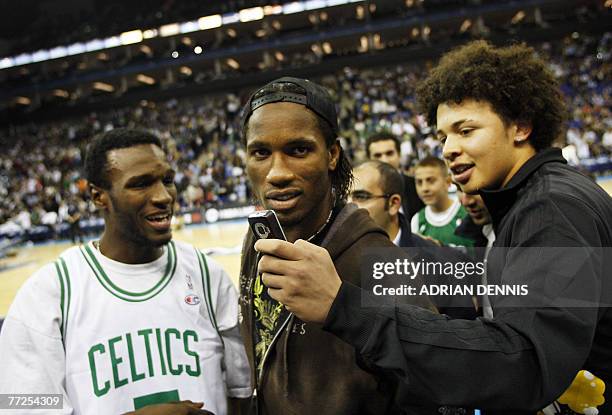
307	370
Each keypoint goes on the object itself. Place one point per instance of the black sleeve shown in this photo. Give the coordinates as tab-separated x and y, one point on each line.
522	359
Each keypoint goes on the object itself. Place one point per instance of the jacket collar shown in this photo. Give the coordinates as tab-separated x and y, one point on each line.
500	201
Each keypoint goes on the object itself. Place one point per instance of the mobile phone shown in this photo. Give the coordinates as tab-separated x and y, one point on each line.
265	225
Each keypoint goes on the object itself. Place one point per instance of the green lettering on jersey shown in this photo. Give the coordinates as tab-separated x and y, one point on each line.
190	371
145	334
176	333
160	350
115	362
135	376
94	373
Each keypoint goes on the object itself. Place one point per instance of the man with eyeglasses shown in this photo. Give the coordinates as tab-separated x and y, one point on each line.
377	188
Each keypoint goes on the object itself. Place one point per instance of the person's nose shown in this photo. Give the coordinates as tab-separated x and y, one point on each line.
280	172
451	149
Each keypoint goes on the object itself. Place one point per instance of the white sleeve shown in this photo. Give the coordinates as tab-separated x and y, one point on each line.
414	223
238	374
32	354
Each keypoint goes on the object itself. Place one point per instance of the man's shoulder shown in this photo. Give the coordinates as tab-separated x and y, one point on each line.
561	186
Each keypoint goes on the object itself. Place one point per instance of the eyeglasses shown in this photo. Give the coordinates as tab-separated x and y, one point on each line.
362	196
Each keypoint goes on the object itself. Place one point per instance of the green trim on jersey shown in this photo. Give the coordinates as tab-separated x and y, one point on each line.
207	291
65	293
446	232
125	295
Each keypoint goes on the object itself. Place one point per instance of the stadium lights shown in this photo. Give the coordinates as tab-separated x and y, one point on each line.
94	45
102	86
58	52
112	42
314	4
61	93
233	63
142	78
76	48
6	63
23	59
465	26
189	27
150	33
518	17
210	22
229	18
294	7
131	37
175	54
273	10
197	50
172	29
252	14
363	44
41	55
23	100
169	30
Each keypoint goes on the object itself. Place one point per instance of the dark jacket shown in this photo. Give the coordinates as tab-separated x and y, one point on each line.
526	356
456	306
310	371
411	202
409	239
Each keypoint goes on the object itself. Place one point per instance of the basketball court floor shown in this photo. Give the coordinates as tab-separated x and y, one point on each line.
223	239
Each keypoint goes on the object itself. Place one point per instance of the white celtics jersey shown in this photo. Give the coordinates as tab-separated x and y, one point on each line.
134	335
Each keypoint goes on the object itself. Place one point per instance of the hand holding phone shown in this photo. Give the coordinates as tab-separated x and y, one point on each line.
265	225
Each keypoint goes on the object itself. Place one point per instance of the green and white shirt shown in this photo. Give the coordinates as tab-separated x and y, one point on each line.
441	226
113	337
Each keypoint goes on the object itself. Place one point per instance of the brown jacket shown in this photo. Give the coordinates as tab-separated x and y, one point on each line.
307	370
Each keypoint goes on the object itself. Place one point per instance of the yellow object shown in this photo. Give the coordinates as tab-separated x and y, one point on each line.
585	393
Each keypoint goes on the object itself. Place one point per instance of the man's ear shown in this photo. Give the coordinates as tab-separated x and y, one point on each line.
395	202
334	155
522	132
99	196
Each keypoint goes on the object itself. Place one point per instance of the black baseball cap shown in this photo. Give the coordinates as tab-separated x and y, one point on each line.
315	97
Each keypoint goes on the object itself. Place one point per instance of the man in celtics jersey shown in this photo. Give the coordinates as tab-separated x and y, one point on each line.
132	321
441	214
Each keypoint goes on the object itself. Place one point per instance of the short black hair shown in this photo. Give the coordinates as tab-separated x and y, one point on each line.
342	176
518	85
382	136
96	169
390	181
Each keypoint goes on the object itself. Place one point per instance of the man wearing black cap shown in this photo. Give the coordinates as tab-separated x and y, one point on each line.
297	168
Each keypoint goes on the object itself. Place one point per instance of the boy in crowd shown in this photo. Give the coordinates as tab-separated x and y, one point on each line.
441	214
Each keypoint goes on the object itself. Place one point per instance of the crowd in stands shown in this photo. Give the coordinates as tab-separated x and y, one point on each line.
41	181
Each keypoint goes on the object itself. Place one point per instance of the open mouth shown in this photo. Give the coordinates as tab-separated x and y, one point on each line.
160	221
462	172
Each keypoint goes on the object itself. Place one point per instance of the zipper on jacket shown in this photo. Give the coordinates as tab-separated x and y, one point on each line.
265	356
